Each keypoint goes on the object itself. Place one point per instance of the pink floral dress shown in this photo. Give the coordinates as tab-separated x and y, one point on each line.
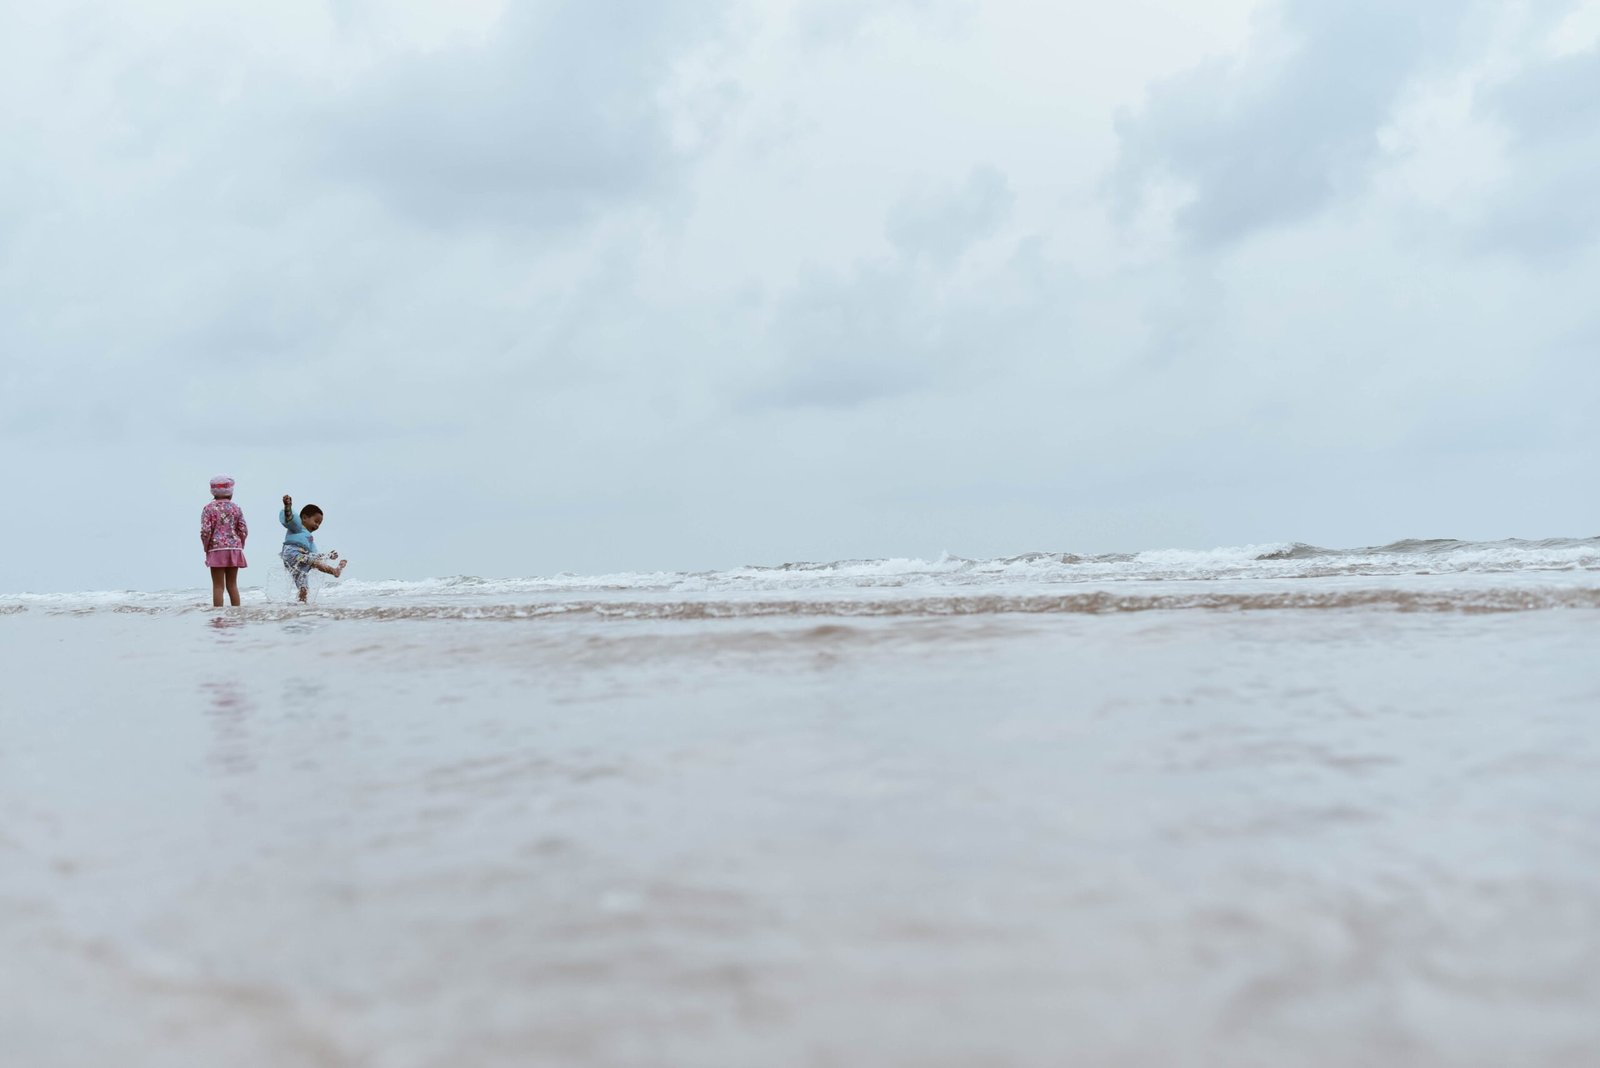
222	532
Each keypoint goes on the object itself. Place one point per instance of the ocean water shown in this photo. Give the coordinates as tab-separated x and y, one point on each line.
1265	805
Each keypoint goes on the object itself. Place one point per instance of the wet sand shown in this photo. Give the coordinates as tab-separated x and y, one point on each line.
1280	837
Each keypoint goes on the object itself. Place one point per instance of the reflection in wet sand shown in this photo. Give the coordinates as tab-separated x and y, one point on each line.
228	709
1274	837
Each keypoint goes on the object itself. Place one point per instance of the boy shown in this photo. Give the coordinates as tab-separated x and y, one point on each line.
300	548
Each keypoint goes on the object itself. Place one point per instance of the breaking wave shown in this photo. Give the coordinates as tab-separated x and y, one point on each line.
1273	561
1409	575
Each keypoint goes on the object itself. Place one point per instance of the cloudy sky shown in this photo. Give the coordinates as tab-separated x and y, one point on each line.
606	285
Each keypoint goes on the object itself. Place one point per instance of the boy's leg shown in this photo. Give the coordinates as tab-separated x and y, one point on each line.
233	586
217	580
294	563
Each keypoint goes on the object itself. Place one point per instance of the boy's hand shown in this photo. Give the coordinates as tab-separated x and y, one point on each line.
334	555
288	502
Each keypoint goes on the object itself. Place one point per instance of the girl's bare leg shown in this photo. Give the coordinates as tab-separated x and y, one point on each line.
217	579
233	586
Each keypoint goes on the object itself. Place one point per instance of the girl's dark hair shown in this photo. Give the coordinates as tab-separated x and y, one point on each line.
310	510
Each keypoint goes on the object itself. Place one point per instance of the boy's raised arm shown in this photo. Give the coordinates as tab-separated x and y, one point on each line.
286	517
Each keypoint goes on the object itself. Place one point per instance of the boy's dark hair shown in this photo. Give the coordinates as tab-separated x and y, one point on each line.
310	510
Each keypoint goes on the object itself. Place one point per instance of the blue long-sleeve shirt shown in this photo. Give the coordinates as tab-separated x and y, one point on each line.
297	534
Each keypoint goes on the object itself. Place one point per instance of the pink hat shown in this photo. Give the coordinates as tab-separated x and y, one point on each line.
222	486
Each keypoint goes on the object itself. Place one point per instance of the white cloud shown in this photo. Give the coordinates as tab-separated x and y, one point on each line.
710	285
1273	139
942	225
1550	113
555	118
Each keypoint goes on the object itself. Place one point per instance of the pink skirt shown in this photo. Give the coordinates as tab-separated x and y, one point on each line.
226	558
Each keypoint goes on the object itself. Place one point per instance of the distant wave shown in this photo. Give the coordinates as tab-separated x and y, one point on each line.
1511	553
1271	561
1026	582
1282	560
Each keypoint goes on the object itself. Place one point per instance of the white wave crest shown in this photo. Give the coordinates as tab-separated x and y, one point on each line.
1035	570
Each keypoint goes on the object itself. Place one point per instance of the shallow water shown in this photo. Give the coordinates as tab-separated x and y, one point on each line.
1253	819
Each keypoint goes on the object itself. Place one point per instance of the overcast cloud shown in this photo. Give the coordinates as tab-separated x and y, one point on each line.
518	289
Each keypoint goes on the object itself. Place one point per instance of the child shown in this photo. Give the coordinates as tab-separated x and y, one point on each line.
222	532
300	548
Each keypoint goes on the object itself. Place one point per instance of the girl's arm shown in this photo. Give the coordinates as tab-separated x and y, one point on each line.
244	528
207	525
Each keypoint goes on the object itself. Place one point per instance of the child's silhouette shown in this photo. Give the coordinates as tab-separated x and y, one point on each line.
300	554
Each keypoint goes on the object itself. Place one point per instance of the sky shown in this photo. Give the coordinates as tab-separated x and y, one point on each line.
599	286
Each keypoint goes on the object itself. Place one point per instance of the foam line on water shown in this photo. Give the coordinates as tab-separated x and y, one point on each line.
1027	571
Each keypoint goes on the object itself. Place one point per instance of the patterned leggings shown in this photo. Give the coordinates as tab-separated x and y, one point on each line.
298	563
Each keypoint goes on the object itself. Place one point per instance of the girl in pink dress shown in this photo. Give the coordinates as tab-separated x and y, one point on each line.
222	532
